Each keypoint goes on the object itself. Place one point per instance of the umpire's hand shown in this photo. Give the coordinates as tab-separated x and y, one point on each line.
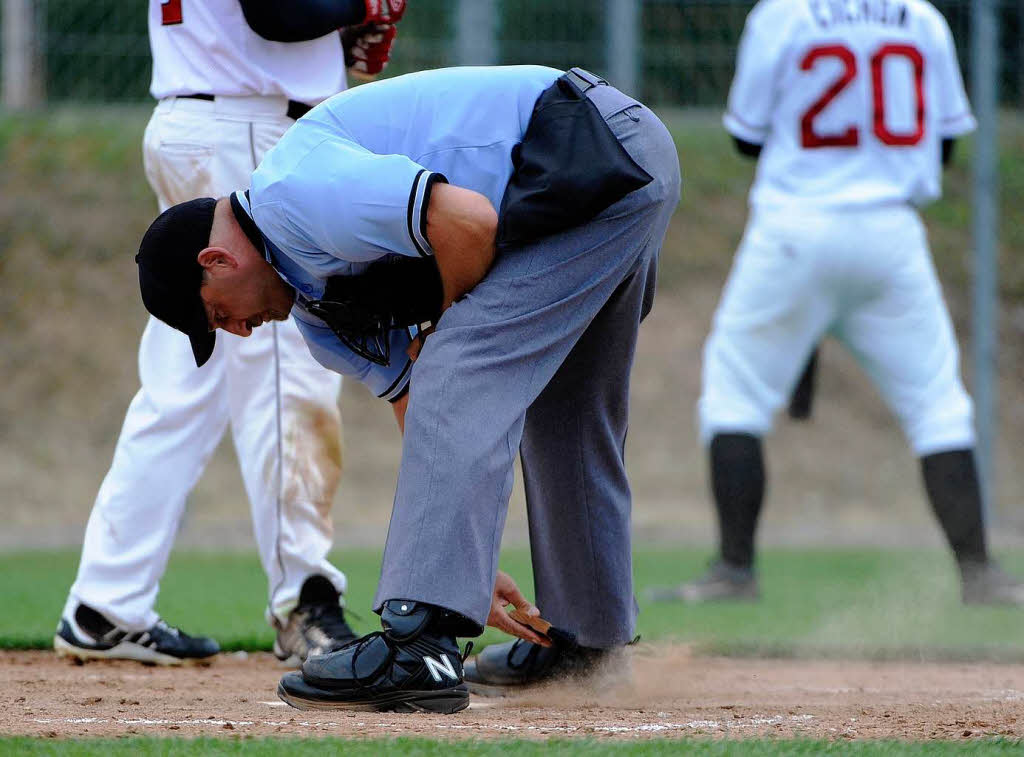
507	593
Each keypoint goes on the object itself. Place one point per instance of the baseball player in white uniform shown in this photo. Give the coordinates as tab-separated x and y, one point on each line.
851	108
226	95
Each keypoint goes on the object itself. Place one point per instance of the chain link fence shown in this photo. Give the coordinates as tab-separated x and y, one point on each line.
676	52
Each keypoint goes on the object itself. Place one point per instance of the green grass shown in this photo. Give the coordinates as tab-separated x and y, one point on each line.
144	747
862	603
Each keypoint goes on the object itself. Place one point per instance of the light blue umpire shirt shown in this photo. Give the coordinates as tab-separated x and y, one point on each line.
349	184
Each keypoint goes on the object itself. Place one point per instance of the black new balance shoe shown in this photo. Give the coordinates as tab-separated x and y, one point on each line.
502	668
316	626
413	665
90	636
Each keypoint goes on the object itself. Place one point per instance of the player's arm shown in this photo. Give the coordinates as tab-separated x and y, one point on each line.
948	143
301	20
753	90
461	227
399	405
747	149
952	108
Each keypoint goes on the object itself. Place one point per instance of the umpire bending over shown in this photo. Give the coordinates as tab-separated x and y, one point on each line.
522	209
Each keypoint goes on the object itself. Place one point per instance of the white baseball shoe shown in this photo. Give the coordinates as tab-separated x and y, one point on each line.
316	626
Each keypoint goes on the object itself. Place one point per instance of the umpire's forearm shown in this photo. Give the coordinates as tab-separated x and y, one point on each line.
461	226
399	407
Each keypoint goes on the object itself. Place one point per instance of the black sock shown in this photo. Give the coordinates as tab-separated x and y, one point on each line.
737	482
951	480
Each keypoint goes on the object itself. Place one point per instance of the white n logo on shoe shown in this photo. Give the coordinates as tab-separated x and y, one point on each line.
436	668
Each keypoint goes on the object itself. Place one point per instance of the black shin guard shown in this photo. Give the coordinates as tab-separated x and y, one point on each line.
737	482
951	480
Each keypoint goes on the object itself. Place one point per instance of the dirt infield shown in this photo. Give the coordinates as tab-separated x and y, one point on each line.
674	694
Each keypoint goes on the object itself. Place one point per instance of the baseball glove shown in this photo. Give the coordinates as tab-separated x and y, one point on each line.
367	48
559	637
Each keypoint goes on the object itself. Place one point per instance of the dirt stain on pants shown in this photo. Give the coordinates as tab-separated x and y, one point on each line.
311	454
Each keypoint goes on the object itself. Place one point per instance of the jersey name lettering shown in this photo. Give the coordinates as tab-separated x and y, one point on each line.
830	13
850	116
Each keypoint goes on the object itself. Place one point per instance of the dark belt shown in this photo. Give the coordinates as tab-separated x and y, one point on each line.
296	110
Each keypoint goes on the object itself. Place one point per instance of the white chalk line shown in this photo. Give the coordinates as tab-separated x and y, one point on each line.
692	725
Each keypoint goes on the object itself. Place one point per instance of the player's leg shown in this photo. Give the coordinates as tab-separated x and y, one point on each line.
493	353
287	427
574	471
287	431
170	430
578	501
953	488
774	309
736	469
904	338
801	401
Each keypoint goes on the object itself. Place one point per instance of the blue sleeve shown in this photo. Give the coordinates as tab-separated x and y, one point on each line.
386	381
301	20
352	204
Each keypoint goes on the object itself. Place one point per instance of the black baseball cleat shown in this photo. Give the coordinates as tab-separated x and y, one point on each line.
413	665
316	626
502	668
87	635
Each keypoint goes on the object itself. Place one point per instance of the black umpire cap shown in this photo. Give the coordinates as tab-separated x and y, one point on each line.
170	274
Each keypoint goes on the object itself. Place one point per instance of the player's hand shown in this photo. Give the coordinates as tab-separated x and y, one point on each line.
367	48
416	345
507	593
384	11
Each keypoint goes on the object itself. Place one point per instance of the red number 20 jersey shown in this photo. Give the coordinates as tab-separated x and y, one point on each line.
851	100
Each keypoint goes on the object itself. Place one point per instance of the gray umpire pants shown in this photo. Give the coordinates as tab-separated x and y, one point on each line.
537	358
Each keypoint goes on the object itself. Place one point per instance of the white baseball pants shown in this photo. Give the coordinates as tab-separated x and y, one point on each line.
280	404
866	277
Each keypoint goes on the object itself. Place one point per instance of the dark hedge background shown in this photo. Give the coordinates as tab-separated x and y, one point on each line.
97	50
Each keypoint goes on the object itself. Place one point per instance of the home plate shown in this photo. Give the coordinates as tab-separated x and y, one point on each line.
278	703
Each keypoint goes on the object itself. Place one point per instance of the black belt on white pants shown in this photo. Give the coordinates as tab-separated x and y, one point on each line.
296	110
